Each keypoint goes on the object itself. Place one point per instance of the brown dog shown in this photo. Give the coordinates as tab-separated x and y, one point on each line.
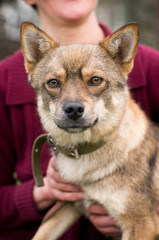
107	145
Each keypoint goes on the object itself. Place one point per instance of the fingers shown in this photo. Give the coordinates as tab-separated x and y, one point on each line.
97	209
62	184
67	196
157	209
110	232
65	187
102	221
105	225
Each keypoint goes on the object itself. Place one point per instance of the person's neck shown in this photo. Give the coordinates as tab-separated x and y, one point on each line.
86	31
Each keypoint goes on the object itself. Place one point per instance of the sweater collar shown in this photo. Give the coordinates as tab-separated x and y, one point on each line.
20	92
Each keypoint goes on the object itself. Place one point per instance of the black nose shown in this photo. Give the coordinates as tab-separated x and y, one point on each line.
73	110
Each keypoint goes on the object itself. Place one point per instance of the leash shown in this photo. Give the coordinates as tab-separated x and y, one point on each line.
36	157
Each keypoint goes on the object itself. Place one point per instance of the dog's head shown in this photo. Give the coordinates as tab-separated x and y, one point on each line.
81	88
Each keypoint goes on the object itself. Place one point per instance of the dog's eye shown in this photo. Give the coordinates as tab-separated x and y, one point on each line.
95	81
53	83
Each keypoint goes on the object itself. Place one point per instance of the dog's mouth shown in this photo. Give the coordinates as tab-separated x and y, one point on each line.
75	127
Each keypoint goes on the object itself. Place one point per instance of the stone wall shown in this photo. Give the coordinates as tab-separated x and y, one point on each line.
116	13
12	14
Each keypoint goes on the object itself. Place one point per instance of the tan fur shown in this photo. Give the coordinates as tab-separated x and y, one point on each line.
65	217
123	174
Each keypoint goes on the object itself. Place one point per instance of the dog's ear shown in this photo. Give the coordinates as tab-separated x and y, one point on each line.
35	44
122	45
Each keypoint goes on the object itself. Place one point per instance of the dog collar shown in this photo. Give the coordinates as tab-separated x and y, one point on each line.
74	152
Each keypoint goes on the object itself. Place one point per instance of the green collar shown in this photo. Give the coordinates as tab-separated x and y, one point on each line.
75	153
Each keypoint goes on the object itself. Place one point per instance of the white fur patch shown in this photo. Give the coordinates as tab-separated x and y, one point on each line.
100	109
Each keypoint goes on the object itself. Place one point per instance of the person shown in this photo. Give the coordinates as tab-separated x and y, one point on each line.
23	205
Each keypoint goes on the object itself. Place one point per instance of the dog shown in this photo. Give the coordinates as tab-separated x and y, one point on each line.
106	143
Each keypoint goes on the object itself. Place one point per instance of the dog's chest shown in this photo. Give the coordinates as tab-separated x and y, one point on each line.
88	168
109	195
107	191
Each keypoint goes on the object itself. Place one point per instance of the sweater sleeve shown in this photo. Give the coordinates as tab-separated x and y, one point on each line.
16	201
150	58
17	206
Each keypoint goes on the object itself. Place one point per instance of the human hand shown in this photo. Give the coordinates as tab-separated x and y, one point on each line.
55	188
157	209
102	221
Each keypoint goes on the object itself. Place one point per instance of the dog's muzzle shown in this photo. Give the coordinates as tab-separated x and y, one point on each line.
73	120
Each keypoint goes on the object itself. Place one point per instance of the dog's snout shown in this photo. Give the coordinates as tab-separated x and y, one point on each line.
73	110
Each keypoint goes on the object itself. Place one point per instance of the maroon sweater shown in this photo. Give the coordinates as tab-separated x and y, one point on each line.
20	125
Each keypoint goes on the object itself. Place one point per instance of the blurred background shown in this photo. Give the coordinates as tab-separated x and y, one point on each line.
114	13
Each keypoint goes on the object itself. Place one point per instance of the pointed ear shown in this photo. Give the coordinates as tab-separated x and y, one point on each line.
122	46
35	44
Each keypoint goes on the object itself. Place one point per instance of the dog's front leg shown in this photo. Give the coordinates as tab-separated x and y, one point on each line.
55	226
